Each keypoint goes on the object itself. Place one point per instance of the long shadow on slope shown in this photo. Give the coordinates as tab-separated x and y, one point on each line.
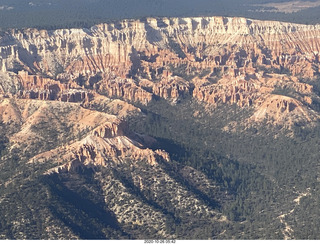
176	151
82	215
179	154
128	183
173	171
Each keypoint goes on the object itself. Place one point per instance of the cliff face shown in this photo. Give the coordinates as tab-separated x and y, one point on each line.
66	100
214	59
125	46
55	139
98	138
105	146
37	87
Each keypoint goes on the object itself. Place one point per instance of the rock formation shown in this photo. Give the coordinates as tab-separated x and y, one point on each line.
38	87
108	144
171	88
277	109
125	47
214	59
65	97
104	139
126	89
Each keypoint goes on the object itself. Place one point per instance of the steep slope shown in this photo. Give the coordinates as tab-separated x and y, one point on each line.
89	168
215	59
188	128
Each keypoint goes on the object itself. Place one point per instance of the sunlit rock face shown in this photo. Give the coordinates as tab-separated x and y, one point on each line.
214	59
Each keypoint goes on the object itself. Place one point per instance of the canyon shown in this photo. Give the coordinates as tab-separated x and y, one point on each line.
156	125
214	60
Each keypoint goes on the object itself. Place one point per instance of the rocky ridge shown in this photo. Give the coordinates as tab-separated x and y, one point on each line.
106	145
214	59
65	94
106	139
137	184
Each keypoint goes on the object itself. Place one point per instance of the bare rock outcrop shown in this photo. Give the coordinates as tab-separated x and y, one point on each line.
126	89
240	92
129	45
216	59
107	145
38	87
93	138
283	110
171	88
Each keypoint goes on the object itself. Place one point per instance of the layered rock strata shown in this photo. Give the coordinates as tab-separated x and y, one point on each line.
95	138
215	59
128	46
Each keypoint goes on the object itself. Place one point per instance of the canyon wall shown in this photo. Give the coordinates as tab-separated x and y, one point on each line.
213	59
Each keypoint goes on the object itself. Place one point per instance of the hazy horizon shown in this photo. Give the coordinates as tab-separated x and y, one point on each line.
52	14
